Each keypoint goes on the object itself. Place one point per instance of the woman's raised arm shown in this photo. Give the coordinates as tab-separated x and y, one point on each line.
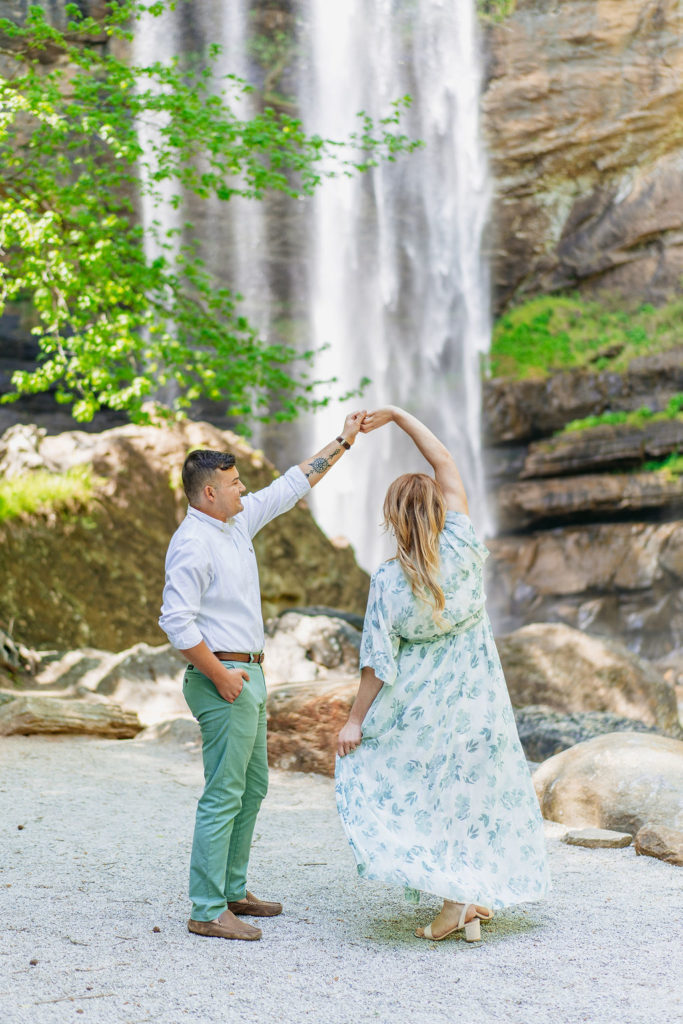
435	452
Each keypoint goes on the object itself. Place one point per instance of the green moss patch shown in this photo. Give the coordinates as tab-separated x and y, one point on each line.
495	10
41	491
672	466
552	333
635	418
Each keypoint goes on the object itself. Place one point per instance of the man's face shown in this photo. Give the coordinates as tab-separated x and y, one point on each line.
224	494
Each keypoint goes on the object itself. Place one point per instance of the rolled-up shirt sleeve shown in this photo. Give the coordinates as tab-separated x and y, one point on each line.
264	505
188	574
380	641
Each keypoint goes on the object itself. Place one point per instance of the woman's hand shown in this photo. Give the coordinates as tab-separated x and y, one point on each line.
352	424
349	738
377	418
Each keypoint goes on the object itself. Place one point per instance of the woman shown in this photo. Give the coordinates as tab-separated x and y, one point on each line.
432	785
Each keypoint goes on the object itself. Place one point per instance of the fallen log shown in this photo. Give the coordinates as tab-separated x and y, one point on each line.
28	714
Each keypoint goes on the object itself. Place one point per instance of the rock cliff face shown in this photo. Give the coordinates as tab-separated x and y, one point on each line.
584	120
586	536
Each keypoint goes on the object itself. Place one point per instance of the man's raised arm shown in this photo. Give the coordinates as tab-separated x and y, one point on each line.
314	469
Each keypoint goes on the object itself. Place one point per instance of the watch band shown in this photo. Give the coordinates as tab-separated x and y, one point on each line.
342	440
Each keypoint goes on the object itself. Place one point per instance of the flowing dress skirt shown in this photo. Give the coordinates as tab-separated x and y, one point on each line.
438	796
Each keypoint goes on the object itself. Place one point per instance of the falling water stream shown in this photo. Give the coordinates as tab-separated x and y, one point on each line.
386	268
398	287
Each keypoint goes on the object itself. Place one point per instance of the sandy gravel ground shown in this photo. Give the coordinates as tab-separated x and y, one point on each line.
93	890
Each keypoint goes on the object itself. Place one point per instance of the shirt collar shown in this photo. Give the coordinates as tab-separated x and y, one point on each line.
217	524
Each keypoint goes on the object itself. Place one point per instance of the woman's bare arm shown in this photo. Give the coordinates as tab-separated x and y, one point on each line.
435	452
351	734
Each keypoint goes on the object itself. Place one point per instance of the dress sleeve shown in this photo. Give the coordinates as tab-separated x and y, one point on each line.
458	531
380	641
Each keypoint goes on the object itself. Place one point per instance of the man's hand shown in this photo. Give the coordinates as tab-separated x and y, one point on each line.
377	418
352	424
349	738
314	469
230	682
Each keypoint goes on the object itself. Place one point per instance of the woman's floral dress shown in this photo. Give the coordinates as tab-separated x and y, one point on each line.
438	795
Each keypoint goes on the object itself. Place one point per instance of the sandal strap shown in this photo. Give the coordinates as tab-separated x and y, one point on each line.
463	915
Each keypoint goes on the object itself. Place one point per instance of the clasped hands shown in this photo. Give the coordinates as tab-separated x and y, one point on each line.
363	421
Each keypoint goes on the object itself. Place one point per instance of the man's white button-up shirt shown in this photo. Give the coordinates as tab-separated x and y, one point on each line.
212	587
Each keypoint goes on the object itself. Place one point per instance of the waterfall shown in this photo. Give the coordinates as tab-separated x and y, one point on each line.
398	287
232	240
384	268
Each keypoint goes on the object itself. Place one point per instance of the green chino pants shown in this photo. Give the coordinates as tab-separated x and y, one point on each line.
236	781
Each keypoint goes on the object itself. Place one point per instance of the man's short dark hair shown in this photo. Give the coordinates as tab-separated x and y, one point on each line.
199	467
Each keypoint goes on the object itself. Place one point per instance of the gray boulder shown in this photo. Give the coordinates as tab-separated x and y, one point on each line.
181	732
301	648
566	670
544	732
621	781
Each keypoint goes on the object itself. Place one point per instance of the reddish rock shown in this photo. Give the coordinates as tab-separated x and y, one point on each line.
660	842
303	723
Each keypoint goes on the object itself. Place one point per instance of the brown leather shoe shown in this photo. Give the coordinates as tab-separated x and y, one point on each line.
255	907
225	926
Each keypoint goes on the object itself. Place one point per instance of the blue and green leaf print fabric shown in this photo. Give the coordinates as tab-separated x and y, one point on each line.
438	796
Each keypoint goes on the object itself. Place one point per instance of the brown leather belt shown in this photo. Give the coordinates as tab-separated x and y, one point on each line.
238	656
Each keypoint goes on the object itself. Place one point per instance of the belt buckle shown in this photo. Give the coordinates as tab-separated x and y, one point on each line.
254	658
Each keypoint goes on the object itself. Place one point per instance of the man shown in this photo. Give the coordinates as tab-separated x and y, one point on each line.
212	613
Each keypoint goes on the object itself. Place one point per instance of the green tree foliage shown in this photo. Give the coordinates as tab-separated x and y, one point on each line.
117	320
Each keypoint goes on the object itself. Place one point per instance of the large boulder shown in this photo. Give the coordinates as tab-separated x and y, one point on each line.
554	665
302	647
621	781
303	723
92	575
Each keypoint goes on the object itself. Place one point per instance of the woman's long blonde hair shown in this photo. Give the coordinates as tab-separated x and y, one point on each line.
415	510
